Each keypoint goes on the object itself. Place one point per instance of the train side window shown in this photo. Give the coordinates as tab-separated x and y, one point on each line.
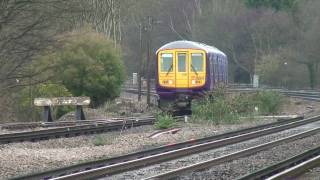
182	57
166	63
196	62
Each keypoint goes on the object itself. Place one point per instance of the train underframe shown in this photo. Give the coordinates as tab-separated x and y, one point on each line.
178	105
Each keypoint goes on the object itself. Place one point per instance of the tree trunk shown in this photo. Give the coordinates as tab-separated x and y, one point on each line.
312	74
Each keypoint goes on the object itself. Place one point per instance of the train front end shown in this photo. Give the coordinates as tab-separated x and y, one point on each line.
181	75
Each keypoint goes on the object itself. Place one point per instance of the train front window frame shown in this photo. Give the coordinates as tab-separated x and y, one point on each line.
197	62
166	62
182	63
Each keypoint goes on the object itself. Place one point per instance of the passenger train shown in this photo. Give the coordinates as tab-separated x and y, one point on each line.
186	70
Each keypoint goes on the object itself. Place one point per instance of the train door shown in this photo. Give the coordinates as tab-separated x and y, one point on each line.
182	75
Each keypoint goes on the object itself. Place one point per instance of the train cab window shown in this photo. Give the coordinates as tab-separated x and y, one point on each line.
182	57
166	63
196	62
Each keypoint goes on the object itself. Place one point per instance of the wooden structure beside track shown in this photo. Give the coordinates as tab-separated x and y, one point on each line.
46	103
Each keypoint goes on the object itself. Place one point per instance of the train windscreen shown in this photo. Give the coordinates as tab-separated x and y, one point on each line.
196	62
166	62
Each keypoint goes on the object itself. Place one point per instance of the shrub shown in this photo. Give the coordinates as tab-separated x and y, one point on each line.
164	121
88	65
244	104
269	102
99	141
216	110
219	108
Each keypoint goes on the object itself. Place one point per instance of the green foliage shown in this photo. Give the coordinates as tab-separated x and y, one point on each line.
99	141
164	121
88	65
28	94
269	102
244	104
219	92
215	110
220	109
271	70
275	4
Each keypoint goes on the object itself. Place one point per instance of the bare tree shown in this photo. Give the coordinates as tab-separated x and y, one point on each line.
104	16
26	28
306	48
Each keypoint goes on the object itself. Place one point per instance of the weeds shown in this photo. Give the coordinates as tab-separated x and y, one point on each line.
99	140
164	121
217	108
214	110
269	102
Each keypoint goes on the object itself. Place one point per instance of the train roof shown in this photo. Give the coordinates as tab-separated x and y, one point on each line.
183	44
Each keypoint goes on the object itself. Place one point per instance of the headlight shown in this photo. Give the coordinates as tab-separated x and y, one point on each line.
193	82
170	82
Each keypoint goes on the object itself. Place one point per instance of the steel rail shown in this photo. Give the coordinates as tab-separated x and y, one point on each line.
21	125
232	156
25	125
297	170
312	96
72	130
158	150
282	166
178	153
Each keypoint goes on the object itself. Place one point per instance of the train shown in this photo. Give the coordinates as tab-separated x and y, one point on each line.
186	70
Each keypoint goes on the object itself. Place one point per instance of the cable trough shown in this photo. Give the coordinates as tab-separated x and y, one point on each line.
133	161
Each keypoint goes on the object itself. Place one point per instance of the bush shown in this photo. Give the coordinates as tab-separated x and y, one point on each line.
88	65
269	102
164	121
99	141
215	110
244	104
220	109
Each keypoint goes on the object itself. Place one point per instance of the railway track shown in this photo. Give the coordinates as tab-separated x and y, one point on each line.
233	156
32	125
136	160
307	95
288	169
76	130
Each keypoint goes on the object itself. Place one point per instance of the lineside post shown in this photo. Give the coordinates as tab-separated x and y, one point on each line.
149	51
140	63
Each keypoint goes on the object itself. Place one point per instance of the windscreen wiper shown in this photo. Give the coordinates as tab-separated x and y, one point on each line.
169	69
194	69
